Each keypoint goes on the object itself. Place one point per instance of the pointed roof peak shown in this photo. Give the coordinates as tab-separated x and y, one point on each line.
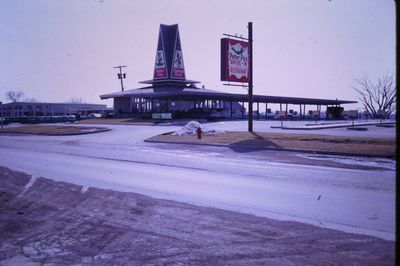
169	65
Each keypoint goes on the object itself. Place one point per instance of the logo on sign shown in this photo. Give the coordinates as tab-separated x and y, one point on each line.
160	59
238	60
160	70
178	69
234	60
160	67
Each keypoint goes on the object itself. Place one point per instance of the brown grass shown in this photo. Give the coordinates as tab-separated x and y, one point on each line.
53	130
117	121
314	142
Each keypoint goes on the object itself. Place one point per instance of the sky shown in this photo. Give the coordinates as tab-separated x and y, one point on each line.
57	50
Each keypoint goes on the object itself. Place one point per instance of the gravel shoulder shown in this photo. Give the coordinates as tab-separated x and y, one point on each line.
47	222
382	147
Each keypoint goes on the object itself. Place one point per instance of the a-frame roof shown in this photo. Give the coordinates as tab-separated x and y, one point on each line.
169	64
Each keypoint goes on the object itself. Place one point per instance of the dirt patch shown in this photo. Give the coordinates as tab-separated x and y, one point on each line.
58	223
53	130
310	142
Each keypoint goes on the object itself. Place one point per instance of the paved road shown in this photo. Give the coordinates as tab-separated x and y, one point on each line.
257	182
56	223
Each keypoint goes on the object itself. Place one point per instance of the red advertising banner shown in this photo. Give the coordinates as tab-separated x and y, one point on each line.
160	66
160	70
234	60
178	69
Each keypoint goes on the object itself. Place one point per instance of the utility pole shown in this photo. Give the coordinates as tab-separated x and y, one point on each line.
250	28
121	76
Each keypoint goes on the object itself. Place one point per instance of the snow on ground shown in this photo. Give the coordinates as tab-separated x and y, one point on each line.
357	201
192	127
366	161
265	126
318	195
12	125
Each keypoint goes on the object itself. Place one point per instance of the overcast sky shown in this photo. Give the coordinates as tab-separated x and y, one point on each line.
55	50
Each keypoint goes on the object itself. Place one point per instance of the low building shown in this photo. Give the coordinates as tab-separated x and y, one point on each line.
36	109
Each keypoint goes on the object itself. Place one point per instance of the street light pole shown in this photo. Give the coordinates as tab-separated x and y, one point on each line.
121	76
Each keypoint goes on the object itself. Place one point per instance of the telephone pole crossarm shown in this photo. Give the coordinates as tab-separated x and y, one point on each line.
121	76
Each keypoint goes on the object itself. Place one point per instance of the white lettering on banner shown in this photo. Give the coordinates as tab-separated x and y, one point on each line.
238	56
160	73
178	72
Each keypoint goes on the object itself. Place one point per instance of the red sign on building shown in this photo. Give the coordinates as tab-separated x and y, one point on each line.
178	69
160	66
234	60
169	57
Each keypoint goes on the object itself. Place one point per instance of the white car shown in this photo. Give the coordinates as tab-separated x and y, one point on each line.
94	115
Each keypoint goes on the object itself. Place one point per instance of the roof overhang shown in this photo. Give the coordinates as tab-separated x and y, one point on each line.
193	93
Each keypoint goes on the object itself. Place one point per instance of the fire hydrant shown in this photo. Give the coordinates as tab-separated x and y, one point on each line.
199	132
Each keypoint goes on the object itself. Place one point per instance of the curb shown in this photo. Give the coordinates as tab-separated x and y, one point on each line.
62	134
279	149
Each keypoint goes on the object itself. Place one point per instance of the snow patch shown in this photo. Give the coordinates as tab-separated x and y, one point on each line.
30	183
191	129
374	162
12	125
89	130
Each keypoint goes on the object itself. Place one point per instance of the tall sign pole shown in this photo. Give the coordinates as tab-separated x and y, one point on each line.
237	64
250	122
1	106
121	76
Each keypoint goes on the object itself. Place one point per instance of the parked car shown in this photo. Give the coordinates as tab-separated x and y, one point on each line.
94	115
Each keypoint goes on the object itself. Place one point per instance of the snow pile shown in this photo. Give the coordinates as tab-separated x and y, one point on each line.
88	130
191	129
12	125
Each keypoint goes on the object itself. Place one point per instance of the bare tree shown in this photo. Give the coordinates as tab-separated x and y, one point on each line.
14	96
379	97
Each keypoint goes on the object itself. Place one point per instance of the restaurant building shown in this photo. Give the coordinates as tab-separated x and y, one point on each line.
170	93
